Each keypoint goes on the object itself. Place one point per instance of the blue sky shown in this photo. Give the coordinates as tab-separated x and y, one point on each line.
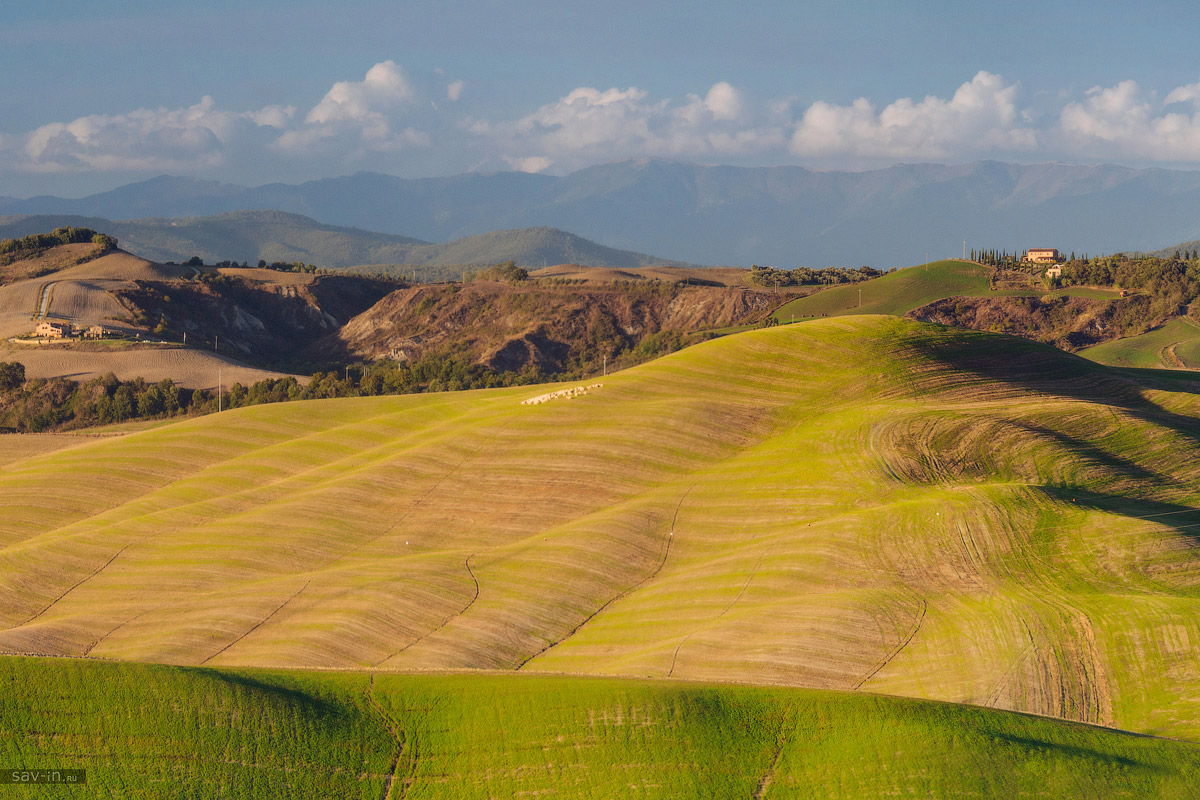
96	94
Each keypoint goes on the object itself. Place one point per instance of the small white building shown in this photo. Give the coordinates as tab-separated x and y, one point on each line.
1054	272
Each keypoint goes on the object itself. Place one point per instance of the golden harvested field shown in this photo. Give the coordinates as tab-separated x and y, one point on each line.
19	306
857	503
83	295
77	294
195	369
88	302
119	265
49	261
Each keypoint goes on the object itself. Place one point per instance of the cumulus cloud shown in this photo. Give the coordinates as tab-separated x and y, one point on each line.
384	87
146	139
981	117
382	113
1183	94
391	115
723	101
1123	122
589	125
362	116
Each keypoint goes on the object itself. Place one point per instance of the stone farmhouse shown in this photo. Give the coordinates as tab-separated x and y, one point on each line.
1041	255
53	330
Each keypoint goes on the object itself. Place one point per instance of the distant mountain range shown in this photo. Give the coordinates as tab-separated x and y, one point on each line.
278	236
786	216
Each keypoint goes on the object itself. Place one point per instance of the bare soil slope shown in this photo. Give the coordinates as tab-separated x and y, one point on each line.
511	327
1069	323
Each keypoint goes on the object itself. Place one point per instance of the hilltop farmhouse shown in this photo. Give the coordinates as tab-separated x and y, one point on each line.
53	330
1042	255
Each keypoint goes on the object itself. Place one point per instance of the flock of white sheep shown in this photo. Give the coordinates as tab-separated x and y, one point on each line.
568	393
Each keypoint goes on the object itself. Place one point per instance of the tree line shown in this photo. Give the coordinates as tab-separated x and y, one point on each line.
807	276
12	250
36	405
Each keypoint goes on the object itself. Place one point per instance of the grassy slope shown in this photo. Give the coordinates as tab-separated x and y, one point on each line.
896	293
149	731
848	503
1179	338
905	290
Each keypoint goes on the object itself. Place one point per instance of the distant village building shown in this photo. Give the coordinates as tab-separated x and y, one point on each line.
1042	255
53	330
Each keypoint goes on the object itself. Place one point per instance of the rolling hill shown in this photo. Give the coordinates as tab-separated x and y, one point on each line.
239	734
858	503
904	291
896	293
268	317
248	236
1175	345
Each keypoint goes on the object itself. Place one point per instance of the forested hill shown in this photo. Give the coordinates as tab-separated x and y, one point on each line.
251	236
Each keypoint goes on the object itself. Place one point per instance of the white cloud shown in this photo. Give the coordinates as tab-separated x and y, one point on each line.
723	101
145	139
530	164
589	125
362	116
1121	122
391	118
981	118
1183	94
385	86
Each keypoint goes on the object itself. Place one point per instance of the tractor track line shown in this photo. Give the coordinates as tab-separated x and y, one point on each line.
443	623
666	552
732	603
401	742
895	652
82	581
261	622
96	643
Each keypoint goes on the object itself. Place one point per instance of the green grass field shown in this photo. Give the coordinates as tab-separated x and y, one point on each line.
904	290
896	293
858	503
1175	345
152	731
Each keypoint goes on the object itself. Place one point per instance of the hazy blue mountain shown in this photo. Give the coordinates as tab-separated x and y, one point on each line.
1182	248
533	247
279	236
727	215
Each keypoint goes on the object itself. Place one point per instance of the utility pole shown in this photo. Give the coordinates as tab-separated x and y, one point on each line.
606	365
927	261
964	249
216	340
218	390
860	297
